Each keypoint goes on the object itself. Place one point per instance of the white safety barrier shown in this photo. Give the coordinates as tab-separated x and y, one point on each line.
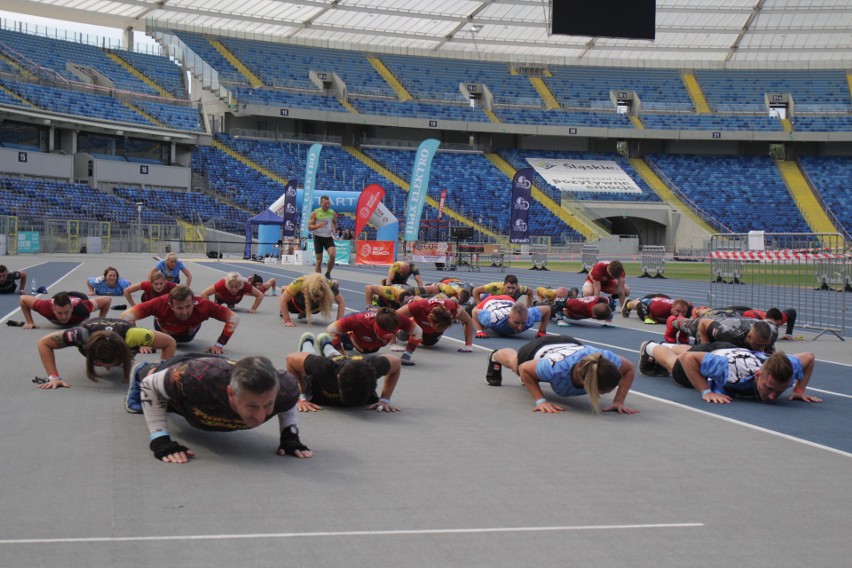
653	259
780	270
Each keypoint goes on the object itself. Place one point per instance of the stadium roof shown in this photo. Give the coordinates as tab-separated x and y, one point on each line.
689	33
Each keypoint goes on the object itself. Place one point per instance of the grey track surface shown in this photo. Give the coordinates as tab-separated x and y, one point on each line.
464	475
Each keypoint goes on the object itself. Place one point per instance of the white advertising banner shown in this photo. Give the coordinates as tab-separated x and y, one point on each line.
601	176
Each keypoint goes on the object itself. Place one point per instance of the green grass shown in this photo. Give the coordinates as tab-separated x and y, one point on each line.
683	270
795	275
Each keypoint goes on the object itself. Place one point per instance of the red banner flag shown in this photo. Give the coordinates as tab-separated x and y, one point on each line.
442	202
367	203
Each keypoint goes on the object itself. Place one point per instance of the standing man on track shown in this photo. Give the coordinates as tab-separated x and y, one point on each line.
323	223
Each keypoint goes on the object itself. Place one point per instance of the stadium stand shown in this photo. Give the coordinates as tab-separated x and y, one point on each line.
745	193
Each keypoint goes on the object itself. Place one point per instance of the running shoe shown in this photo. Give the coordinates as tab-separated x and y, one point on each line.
324	339
647	365
625	308
133	399
494	373
306	338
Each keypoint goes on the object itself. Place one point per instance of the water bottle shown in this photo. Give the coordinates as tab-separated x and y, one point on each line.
33	287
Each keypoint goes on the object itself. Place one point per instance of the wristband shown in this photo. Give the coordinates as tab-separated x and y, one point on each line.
795	390
158	434
58	378
705	392
219	344
385	400
539	401
303	396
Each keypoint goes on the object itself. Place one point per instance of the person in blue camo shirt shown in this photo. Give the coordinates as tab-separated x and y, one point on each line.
571	368
722	372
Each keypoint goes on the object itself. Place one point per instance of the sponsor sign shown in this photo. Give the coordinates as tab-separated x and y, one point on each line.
597	176
310	182
418	187
368	201
343	252
432	252
520	214
374	252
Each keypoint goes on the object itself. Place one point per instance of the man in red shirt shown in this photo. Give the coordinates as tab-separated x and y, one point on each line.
594	307
180	314
371	330
435	316
608	278
656	308
65	309
230	291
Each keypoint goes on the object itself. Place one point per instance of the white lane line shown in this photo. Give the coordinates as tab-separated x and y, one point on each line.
746	424
351	533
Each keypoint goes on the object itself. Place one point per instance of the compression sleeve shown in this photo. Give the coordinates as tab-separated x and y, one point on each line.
229	329
155	402
287	418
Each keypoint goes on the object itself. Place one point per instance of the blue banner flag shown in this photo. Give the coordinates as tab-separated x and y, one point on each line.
419	186
288	213
310	182
521	197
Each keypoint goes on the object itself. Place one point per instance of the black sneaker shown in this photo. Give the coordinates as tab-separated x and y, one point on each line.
14	323
328	275
625	309
647	365
494	374
119	307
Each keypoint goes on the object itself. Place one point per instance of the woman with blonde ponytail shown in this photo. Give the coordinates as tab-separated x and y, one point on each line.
571	368
311	294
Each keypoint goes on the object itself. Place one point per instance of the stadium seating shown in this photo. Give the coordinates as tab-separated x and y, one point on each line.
57	200
189	207
745	193
578	87
518	159
745	90
663	121
161	70
55	54
831	175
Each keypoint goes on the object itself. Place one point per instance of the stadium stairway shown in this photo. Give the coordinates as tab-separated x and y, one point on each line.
348	106
666	194
16	96
24	73
153	120
491	116
253	79
390	79
383	171
849	82
253	165
804	197
579	221
139	75
637	122
787	125
695	93
544	92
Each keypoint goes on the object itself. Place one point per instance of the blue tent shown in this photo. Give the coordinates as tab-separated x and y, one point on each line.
268	224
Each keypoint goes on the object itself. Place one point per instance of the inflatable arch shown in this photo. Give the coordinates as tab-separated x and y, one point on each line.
385	222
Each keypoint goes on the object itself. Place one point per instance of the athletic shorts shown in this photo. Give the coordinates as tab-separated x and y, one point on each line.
323	243
528	351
